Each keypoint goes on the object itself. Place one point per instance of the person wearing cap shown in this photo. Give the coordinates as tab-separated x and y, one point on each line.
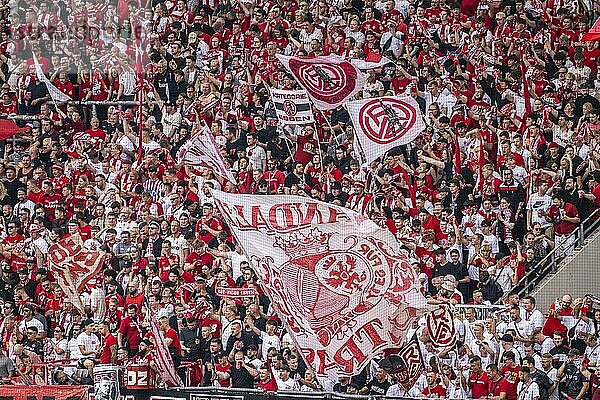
285	381
337	195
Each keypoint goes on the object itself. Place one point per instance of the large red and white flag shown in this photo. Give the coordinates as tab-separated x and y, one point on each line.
440	327
164	362
341	285
202	150
329	80
73	266
384	123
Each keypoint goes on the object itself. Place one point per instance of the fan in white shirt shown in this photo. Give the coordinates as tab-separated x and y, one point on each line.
527	389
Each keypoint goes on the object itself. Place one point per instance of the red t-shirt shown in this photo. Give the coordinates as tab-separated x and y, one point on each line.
105	356
499	386
131	333
479	385
511	376
171	334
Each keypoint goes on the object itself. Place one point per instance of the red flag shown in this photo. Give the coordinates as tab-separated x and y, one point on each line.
8	129
457	163
440	326
526	95
593	35
164	362
329	80
73	266
342	287
407	366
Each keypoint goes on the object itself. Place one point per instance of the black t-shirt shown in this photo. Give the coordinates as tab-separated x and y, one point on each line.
573	381
378	388
241	378
191	339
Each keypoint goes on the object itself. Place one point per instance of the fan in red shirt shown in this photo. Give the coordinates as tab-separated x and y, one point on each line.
433	388
109	345
510	371
167	261
209	226
479	381
498	384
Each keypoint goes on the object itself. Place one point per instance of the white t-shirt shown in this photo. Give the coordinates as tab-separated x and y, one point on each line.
23	325
89	343
268	342
528	391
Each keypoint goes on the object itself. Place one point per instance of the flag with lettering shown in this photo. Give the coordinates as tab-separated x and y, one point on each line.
341	285
74	266
380	124
440	327
329	80
164	362
29	391
292	107
202	150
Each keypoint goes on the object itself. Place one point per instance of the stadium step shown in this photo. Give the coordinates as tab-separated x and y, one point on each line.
575	275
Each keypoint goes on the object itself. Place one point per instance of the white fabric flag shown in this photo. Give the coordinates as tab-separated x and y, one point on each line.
55	93
384	123
329	80
202	150
292	107
340	283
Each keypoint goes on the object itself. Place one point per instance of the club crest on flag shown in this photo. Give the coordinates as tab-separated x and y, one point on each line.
386	121
342	287
329	80
440	326
292	106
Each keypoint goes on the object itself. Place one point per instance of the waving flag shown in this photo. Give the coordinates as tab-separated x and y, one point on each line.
292	107
384	123
163	360
593	35
407	365
54	92
440	326
203	151
329	80
342	286
73	266
372	61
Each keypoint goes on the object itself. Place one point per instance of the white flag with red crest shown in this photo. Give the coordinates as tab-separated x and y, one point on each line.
341	285
202	150
440	326
406	366
73	266
384	123
329	80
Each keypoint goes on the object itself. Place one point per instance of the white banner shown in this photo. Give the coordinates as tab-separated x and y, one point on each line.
329	80
292	107
203	151
340	283
384	123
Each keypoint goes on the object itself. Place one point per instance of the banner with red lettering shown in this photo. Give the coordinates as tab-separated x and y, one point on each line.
329	80
384	123
440	326
235	293
46	392
202	150
73	266
341	285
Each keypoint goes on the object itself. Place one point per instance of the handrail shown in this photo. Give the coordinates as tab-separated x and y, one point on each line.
581	230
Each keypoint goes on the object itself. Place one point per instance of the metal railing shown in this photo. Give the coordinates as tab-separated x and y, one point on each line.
549	263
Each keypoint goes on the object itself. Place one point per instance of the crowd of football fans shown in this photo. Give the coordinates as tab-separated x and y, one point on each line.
505	171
